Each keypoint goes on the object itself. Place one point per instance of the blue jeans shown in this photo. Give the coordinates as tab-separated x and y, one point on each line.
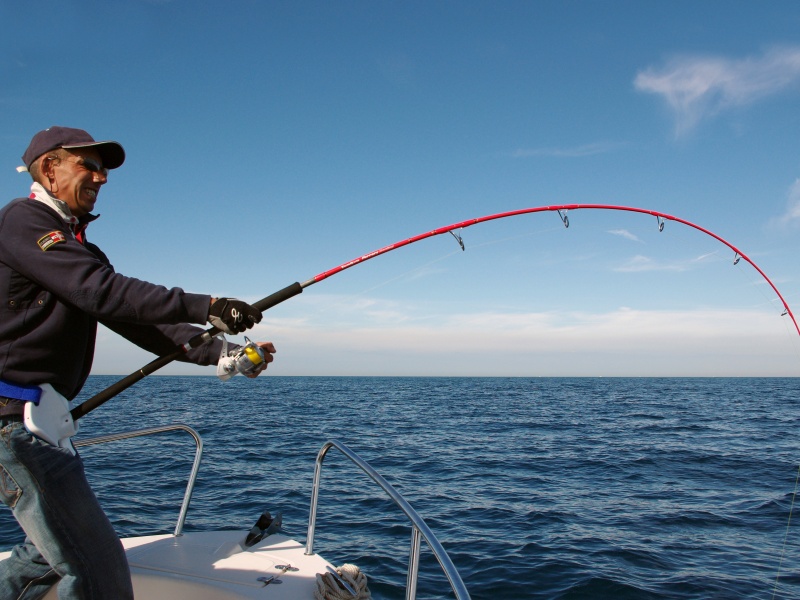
70	541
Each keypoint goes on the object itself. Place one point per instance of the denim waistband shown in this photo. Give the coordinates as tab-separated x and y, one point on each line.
9	407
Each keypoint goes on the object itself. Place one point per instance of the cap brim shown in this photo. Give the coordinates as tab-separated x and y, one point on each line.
112	153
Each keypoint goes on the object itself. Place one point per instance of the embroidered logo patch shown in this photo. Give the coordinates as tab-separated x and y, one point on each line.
51	239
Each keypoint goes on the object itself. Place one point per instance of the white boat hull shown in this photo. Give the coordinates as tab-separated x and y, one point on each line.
213	566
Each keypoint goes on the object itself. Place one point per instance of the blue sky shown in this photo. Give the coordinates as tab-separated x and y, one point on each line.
268	142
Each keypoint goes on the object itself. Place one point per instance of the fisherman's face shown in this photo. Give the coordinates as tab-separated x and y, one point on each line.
77	178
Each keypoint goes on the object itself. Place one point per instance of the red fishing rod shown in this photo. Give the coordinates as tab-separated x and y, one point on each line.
296	288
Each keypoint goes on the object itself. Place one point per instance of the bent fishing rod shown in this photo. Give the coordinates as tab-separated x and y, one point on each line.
297	288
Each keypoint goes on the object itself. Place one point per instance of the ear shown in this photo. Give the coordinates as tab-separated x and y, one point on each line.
47	170
46	165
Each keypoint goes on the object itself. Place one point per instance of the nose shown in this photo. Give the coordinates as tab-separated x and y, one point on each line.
100	176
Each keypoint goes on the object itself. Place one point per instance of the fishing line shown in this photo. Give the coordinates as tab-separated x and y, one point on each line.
382	284
786	537
472	247
769	301
756	284
512	238
443	257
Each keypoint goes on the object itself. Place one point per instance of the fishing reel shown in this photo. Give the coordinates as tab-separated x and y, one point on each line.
247	359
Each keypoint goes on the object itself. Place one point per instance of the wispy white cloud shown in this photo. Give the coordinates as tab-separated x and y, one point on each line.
625	234
699	87
705	256
569	152
640	263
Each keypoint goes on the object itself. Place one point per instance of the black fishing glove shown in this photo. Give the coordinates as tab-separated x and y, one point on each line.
233	316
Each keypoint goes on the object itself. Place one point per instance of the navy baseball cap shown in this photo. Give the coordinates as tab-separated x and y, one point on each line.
111	153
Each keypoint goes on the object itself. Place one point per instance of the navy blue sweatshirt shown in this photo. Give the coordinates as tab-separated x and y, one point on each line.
55	289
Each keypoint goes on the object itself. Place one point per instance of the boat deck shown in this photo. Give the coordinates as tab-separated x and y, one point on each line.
212	566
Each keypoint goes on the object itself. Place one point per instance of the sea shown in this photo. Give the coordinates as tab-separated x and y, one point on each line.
623	488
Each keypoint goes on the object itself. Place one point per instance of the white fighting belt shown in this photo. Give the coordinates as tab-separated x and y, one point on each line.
50	419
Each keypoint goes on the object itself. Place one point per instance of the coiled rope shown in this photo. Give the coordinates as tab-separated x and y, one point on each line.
330	589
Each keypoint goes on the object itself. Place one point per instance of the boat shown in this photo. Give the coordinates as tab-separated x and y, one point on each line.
262	562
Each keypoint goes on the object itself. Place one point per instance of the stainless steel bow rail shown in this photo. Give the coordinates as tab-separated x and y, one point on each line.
419	529
125	435
418	526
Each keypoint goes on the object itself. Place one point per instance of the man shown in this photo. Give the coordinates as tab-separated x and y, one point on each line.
55	287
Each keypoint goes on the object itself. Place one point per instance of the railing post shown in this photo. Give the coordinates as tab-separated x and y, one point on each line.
312	513
419	528
413	564
187	496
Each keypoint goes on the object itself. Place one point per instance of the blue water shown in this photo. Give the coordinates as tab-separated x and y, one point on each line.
537	488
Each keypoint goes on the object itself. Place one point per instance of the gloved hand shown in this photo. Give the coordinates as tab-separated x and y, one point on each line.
233	316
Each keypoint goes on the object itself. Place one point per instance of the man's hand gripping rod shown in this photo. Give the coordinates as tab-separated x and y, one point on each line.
198	340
